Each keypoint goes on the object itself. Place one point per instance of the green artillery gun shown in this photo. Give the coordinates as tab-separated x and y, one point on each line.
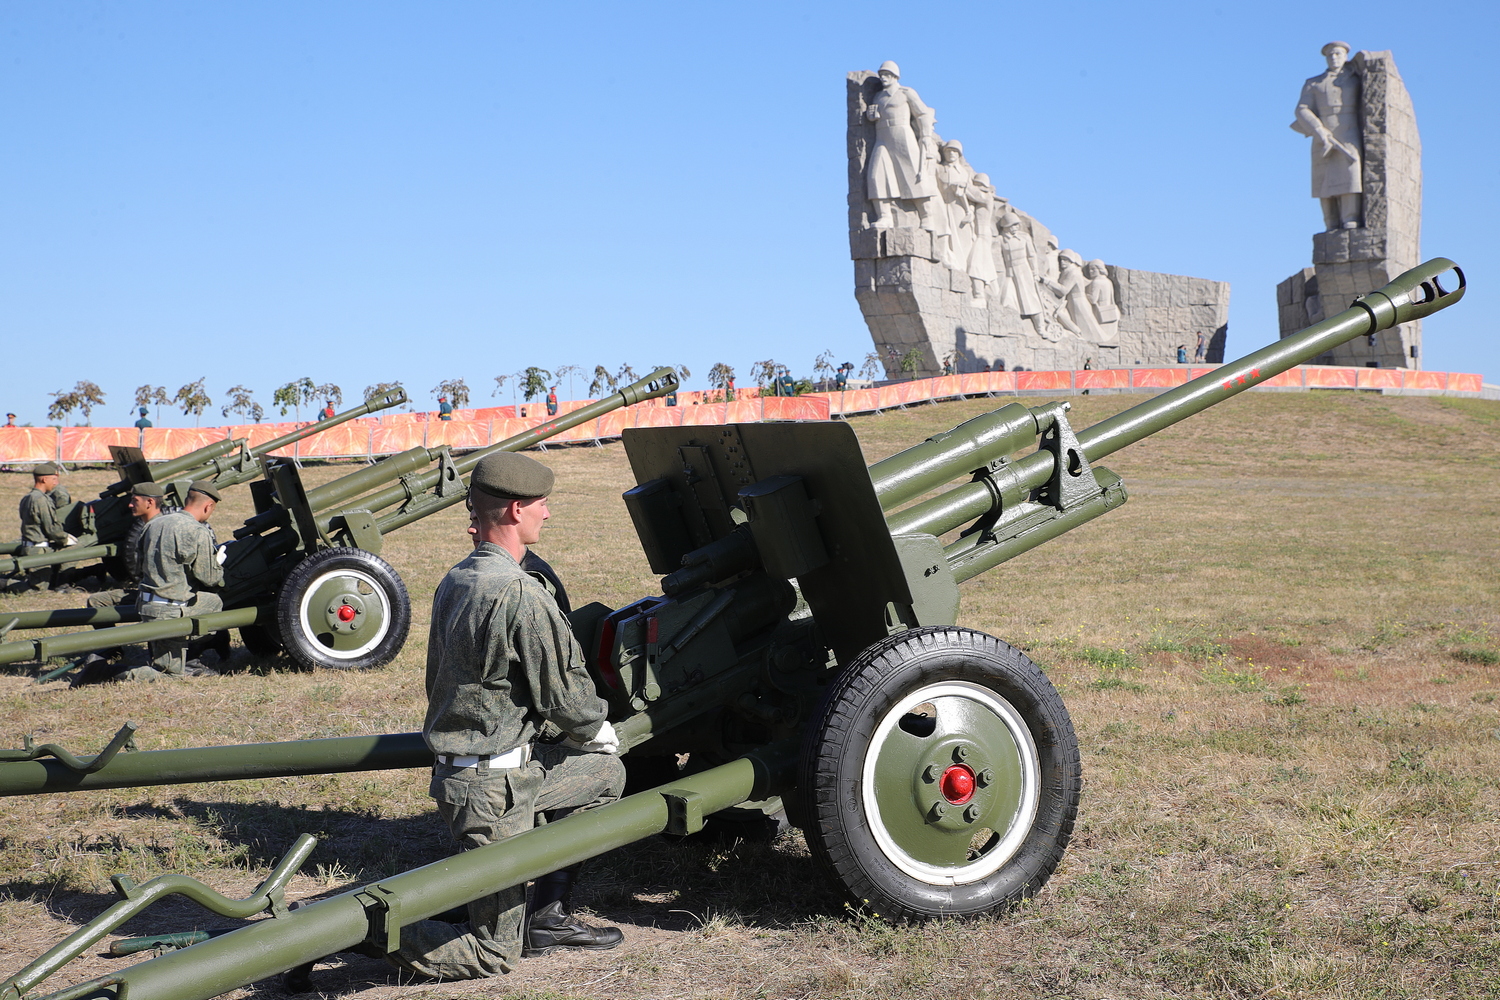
304	573
104	526
804	645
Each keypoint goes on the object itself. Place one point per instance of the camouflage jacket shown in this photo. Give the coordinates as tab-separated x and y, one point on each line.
177	557
39	521
501	659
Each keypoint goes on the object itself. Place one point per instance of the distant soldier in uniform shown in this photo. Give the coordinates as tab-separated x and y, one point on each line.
144	421
146	503
327	410
445	408
10	420
501	662
41	525
841	376
179	564
552	402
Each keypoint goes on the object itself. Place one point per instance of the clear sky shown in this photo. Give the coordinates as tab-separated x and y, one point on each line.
362	192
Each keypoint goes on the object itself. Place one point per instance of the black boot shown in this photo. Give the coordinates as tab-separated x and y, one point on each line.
549	926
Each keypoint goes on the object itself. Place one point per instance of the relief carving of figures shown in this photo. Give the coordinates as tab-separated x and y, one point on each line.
1101	295
981	258
1328	112
1020	288
903	160
1074	311
954	220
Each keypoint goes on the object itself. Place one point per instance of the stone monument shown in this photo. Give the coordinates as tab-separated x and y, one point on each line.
1367	176
945	265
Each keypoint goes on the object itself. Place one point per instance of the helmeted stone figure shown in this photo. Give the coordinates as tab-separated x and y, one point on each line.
1021	267
1101	295
903	162
954	220
1074	312
981	257
1328	112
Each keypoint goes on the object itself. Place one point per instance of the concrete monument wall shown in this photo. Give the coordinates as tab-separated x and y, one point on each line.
1385	236
945	265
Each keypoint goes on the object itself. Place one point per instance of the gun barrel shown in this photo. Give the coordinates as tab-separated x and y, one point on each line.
71	554
163	471
382	401
971	445
82	642
266	947
1412	295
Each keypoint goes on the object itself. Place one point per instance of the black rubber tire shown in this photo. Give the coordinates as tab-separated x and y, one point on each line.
844	828
361	576
263	641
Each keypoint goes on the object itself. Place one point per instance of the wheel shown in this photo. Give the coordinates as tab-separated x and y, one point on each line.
263	641
343	608
941	776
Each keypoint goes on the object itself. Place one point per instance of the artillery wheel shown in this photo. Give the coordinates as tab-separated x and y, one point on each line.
263	641
343	608
941	776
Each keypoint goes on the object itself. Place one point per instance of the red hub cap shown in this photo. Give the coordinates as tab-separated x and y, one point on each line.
346	613
957	784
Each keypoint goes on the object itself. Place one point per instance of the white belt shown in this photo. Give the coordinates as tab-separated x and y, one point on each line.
511	758
148	598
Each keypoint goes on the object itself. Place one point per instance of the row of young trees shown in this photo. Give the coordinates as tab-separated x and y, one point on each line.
529	383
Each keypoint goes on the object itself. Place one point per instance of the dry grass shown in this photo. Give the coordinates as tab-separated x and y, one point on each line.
1281	656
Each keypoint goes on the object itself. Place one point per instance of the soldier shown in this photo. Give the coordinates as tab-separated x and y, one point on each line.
501	662
146	502
179	562
41	528
327	412
445	408
552	402
10	420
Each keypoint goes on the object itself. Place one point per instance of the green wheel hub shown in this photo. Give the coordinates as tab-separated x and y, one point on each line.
346	612
951	782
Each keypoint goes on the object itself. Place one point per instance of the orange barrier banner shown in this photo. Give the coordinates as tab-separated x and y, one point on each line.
162	443
344	441
1157	378
708	413
1289	379
1426	380
1043	381
492	413
460	435
1323	377
795	408
944	386
28	445
91	444
656	416
1465	382
389	439
609	425
1107	378
1378	378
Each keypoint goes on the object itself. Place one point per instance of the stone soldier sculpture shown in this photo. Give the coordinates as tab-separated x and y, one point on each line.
501	663
180	565
1101	295
902	164
1021	268
1328	112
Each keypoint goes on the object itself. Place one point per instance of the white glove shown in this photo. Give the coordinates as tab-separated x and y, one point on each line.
605	741
70	541
221	552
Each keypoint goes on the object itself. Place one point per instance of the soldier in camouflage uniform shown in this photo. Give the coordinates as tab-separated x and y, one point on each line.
179	562
146	503
502	661
41	525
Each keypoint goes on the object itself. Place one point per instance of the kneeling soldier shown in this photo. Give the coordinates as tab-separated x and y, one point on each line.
178	564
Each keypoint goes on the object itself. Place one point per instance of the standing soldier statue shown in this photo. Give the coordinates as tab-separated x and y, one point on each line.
1328	111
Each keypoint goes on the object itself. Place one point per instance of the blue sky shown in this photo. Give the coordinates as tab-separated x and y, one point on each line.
363	192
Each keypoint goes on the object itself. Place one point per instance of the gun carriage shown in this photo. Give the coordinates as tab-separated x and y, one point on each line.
804	645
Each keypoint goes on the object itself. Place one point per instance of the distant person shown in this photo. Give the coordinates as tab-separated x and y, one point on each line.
672	397
841	377
327	410
445	408
180	568
144	421
1201	350
42	529
10	420
1182	354
552	402
729	389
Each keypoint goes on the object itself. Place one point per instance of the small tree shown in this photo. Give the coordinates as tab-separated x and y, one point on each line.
371	391
500	381
871	368
626	374
911	362
567	371
602	380
764	373
83	397
533	382
152	395
240	401
331	393
720	376
294	396
823	366
456	389
193	398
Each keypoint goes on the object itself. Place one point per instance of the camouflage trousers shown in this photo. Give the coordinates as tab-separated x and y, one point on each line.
169	656
481	806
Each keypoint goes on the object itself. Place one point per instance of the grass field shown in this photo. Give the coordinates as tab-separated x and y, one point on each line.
1282	657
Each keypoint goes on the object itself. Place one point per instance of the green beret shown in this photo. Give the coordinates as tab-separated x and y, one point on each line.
510	476
148	490
45	469
205	487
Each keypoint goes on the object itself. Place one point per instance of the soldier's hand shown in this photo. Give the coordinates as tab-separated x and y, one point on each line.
221	552
604	741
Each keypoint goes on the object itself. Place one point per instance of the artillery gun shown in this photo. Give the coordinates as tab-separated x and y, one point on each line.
804	645
304	573
104	526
